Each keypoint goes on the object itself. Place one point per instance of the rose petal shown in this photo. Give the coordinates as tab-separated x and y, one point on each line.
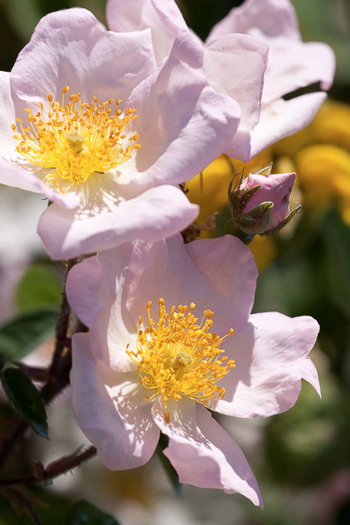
202	453
17	177
292	66
174	108
11	173
66	236
71	47
111	410
217	274
284	118
271	354
170	15
235	65
264	17
7	117
96	292
136	15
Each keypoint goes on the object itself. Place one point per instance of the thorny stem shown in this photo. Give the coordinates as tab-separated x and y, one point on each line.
61	329
58	373
53	470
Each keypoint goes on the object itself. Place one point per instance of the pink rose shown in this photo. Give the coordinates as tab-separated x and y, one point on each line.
89	120
170	336
255	55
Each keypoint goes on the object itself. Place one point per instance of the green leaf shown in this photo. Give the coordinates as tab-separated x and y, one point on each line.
26	399
84	513
40	286
25	333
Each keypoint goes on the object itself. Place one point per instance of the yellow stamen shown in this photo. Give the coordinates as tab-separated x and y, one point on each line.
179	357
76	139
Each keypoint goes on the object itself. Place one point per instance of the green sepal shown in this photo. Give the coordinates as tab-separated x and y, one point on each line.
238	199
283	223
256	221
265	171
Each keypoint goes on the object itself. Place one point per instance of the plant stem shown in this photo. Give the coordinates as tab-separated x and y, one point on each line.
10	442
61	329
58	372
53	470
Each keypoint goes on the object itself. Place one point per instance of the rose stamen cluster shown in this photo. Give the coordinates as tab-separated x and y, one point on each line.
76	139
179	357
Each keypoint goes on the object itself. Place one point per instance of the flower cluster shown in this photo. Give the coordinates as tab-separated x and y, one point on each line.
108	125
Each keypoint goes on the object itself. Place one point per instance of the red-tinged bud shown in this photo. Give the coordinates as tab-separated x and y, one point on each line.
260	203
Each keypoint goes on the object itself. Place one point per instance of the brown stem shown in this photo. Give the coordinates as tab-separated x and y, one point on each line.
61	329
58	370
53	470
10	442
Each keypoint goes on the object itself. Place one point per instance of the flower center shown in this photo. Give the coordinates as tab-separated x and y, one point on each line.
76	139
179	357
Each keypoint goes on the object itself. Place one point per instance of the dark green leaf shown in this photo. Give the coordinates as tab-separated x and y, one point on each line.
26	399
39	287
84	513
25	333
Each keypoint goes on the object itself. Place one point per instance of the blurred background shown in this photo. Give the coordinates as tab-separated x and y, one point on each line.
301	459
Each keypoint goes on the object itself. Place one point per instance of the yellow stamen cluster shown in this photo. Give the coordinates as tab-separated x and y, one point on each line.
180	357
76	139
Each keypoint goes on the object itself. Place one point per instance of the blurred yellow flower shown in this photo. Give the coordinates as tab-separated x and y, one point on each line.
210	191
209	188
320	155
324	176
330	126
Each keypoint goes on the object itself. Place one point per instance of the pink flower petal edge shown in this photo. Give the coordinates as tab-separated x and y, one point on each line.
279	65
270	350
66	235
111	410
272	357
202	453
